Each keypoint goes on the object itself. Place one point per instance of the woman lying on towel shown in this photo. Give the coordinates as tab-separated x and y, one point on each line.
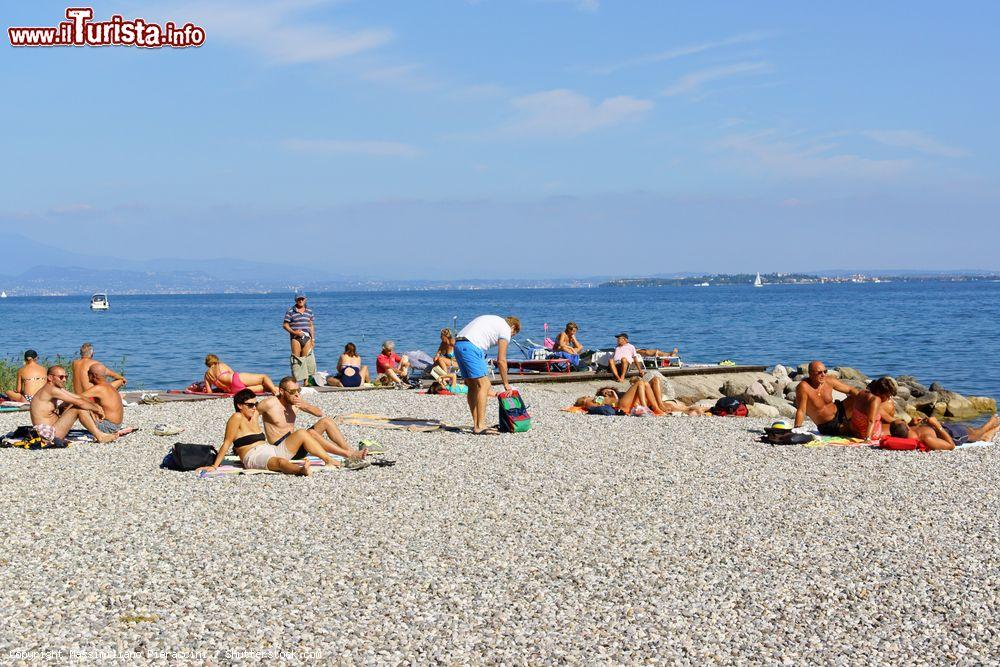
641	398
225	380
243	433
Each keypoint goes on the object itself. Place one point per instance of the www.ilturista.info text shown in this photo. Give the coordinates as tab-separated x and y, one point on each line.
80	30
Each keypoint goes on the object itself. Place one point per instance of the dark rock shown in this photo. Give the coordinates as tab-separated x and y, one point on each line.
936	386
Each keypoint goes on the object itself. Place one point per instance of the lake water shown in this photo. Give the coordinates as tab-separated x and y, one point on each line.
939	331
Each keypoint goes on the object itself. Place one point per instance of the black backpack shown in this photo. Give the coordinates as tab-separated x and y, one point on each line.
185	457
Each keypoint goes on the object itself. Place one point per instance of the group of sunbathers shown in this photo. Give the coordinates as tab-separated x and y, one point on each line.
94	401
870	413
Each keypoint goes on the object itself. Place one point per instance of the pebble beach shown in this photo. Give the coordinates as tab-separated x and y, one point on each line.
586	540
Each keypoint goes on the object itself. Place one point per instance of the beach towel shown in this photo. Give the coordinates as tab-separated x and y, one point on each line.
837	441
412	424
231	465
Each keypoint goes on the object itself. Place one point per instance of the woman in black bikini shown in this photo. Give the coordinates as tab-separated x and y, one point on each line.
243	433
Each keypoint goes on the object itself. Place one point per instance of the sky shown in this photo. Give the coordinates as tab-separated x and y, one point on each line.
515	138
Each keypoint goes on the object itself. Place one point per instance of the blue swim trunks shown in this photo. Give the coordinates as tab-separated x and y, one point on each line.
471	360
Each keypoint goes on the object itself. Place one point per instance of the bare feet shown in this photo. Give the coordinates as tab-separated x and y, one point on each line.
107	437
486	431
306	469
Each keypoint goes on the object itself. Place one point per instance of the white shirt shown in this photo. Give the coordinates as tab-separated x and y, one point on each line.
485	331
627	352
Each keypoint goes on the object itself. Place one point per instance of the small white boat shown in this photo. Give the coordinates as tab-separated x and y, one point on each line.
701	284
3	295
99	302
757	281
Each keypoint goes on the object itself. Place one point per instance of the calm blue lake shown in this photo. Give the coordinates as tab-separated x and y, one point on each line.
934	330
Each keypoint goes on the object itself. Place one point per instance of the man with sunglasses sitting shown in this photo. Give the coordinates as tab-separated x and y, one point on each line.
279	413
814	397
54	410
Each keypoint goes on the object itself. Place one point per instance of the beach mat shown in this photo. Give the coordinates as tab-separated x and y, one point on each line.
231	465
412	424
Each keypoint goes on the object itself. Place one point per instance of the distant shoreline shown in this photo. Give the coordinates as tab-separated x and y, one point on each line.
716	280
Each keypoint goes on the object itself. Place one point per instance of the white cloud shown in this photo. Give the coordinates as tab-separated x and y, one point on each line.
767	152
916	141
348	147
691	83
279	32
682	51
564	112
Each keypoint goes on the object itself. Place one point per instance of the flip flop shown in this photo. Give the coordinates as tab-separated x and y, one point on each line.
487	431
371	446
383	463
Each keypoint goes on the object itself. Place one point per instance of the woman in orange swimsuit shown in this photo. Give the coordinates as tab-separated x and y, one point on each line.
866	414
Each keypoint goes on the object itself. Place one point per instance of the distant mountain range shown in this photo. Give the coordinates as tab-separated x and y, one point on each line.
28	267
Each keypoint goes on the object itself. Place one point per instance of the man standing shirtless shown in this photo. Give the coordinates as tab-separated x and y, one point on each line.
30	378
52	421
81	369
278	413
105	395
814	397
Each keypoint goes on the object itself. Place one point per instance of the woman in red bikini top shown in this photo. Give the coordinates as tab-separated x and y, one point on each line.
225	380
866	415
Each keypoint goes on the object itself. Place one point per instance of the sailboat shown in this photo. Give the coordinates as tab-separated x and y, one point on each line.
3	295
757	281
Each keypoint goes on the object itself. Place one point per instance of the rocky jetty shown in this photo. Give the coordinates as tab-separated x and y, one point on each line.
773	394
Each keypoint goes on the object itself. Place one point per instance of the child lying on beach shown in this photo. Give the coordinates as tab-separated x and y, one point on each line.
641	397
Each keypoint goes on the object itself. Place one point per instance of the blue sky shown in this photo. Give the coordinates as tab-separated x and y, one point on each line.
459	138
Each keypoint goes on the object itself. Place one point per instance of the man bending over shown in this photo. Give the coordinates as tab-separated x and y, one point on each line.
471	346
53	420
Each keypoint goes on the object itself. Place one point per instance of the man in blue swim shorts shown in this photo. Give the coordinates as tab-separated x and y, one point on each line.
471	345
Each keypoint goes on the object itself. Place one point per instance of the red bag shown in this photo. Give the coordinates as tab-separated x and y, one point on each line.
902	444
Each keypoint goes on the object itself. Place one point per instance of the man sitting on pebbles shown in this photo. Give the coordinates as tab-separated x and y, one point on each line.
279	414
54	410
105	395
814	397
937	436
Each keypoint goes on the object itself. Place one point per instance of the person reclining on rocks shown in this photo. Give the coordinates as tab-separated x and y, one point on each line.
105	395
937	436
243	434
814	397
279	413
54	410
30	378
224	379
81	376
